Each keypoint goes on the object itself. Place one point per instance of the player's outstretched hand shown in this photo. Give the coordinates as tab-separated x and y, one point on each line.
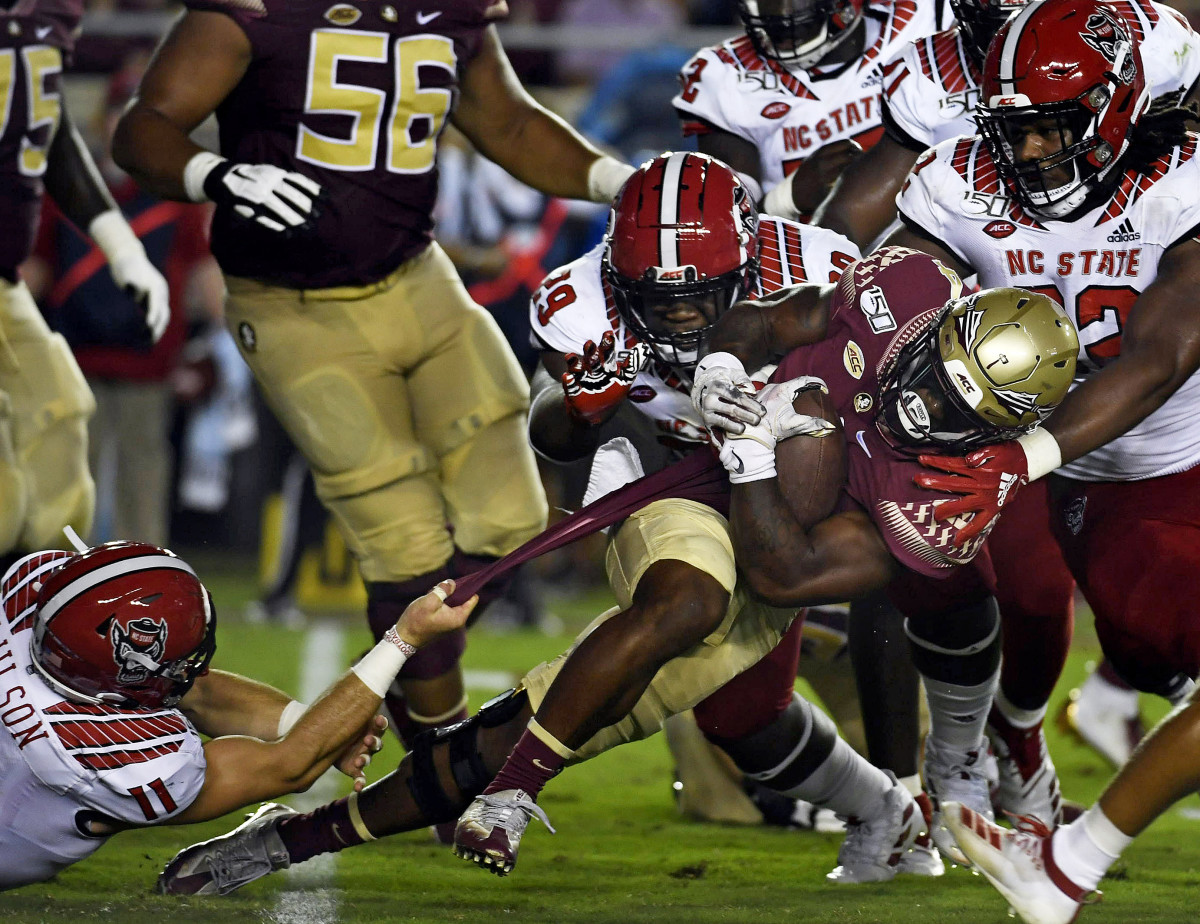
428	617
723	394
816	175
985	479
357	757
597	381
133	272
277	199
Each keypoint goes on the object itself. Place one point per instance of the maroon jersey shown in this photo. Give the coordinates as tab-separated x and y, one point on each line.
36	37
882	303
353	95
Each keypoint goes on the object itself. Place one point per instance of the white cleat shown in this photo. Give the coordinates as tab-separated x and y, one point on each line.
1020	864
221	865
1027	781
874	846
489	832
1104	718
951	775
924	859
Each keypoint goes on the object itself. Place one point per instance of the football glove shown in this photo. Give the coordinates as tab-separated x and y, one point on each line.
596	382
274	198
986	479
723	394
132	270
750	455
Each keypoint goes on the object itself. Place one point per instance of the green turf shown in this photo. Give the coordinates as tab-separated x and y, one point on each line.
622	854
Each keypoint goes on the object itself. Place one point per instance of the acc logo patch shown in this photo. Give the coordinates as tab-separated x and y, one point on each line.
640	394
999	229
852	356
247	336
343	14
863	403
775	110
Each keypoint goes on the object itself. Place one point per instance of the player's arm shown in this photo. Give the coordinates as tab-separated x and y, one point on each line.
508	126
243	769
220	703
909	235
1160	350
74	183
729	148
202	59
554	432
862	202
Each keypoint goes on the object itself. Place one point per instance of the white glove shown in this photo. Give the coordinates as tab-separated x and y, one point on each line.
723	394
277	199
750	456
132	270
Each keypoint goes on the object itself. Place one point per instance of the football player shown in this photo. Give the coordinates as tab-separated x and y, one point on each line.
450	767
796	98
1081	188
929	95
104	667
400	391
44	401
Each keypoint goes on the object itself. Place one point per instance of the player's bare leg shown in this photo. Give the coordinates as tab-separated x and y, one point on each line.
1046	876
674	608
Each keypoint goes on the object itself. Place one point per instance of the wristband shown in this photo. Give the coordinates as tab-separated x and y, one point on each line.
114	237
605	177
197	171
379	666
289	717
779	201
1042	452
747	459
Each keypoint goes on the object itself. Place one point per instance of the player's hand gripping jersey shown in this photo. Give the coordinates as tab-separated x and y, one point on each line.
930	90
575	304
65	766
882	303
355	99
36	39
787	116
1095	266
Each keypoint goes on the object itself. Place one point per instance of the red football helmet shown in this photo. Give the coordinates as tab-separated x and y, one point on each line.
683	229
799	33
980	20
124	623
1065	67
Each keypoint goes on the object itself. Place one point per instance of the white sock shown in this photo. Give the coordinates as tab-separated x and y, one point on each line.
1086	848
958	714
1015	715
912	784
844	782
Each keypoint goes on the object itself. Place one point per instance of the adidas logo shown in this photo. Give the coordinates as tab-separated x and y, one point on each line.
1124	233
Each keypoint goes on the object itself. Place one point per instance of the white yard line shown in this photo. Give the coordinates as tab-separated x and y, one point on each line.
309	897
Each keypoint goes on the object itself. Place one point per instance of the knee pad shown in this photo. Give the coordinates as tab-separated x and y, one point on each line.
387	600
438	657
467	765
961	647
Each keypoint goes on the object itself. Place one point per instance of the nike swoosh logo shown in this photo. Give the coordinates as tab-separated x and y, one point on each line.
541	766
863	443
741	466
424	19
42	32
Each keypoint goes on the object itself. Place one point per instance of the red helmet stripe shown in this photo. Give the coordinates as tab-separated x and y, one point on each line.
85	582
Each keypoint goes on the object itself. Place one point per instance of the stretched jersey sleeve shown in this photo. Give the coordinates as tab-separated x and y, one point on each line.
1170	47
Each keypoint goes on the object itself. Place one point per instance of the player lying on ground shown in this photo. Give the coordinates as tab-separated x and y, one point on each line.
448	769
104	669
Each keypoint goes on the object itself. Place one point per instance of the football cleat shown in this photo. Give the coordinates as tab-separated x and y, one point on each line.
924	859
874	846
1027	781
226	863
1112	733
489	831
1020	864
956	776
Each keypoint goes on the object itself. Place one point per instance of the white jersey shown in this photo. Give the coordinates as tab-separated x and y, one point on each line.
1095	266
64	763
575	304
787	116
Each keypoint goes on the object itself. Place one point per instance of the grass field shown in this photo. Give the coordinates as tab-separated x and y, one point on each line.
622	854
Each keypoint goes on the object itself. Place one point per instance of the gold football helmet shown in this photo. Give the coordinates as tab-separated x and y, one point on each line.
990	367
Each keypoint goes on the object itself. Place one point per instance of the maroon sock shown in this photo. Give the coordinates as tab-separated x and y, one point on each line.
327	829
529	767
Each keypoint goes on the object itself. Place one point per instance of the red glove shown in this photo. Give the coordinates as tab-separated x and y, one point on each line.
596	382
987	479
